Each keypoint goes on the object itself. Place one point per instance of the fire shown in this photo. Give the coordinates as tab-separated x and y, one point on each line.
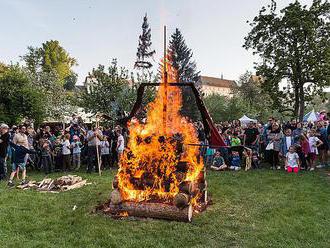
157	158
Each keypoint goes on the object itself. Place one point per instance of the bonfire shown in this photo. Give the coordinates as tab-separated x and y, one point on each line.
160	175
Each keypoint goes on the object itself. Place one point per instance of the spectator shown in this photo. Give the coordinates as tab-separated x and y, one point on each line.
286	142
235	162
251	136
46	160
120	143
4	142
18	163
66	153
235	141
314	143
57	154
303	151
93	136
105	152
218	162
76	151
292	160
323	149
274	146
20	138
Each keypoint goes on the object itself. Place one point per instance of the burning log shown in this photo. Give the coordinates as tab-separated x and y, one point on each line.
188	187
151	210
115	197
182	166
181	200
115	183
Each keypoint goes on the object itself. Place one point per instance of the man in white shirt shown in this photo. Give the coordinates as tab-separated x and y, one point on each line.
20	138
120	143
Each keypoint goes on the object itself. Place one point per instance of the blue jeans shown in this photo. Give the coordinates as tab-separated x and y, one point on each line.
2	168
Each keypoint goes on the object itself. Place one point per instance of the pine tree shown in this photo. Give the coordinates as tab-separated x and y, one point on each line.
144	51
181	57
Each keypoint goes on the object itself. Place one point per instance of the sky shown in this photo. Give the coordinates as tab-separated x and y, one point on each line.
95	31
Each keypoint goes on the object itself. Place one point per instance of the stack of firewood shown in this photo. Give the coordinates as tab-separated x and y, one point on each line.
180	209
63	183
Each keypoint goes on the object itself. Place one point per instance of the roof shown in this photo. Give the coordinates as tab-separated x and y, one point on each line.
218	82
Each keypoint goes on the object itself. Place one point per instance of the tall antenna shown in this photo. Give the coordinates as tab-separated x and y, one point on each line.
165	84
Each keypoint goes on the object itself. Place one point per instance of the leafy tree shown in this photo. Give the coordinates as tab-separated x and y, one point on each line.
144	51
294	45
3	67
181	59
55	57
18	98
70	81
51	57
223	108
216	105
109	93
256	102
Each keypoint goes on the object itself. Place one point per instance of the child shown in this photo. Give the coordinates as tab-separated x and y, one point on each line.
303	151
18	163
66	153
314	143
292	161
105	152
218	162
235	163
76	151
255	160
235	141
46	160
57	154
248	158
209	155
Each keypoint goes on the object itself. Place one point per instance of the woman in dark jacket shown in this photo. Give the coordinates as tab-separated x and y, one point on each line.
274	136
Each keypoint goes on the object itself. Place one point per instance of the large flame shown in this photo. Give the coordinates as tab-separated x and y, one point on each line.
149	166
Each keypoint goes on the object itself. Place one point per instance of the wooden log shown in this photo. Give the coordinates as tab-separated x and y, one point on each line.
115	197
152	210
115	183
181	200
74	186
188	187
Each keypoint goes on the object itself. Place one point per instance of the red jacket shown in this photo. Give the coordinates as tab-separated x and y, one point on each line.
305	147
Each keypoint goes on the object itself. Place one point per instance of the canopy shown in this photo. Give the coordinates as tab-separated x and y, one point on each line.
311	116
245	120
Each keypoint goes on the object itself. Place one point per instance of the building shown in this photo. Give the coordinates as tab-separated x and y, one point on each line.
213	85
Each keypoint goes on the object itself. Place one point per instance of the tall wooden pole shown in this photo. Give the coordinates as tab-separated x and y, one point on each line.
97	146
165	85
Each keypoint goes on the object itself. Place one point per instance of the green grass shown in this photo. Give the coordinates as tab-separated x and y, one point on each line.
251	209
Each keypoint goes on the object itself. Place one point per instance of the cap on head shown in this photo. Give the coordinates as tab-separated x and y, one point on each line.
4	126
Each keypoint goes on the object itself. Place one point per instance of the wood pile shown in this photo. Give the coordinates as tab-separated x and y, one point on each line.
180	209
63	183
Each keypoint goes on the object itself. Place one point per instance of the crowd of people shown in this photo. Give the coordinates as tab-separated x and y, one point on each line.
59	148
292	146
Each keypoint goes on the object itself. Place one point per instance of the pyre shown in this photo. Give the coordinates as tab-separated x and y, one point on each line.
159	166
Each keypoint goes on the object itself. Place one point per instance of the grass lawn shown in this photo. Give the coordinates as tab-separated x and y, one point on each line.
251	209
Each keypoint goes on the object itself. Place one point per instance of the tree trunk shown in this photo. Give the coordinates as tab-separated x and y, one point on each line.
151	210
301	103
296	100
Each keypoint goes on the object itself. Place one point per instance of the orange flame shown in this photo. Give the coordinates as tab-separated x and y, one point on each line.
148	168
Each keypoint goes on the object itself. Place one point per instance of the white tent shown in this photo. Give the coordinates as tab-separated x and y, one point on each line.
311	116
246	120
